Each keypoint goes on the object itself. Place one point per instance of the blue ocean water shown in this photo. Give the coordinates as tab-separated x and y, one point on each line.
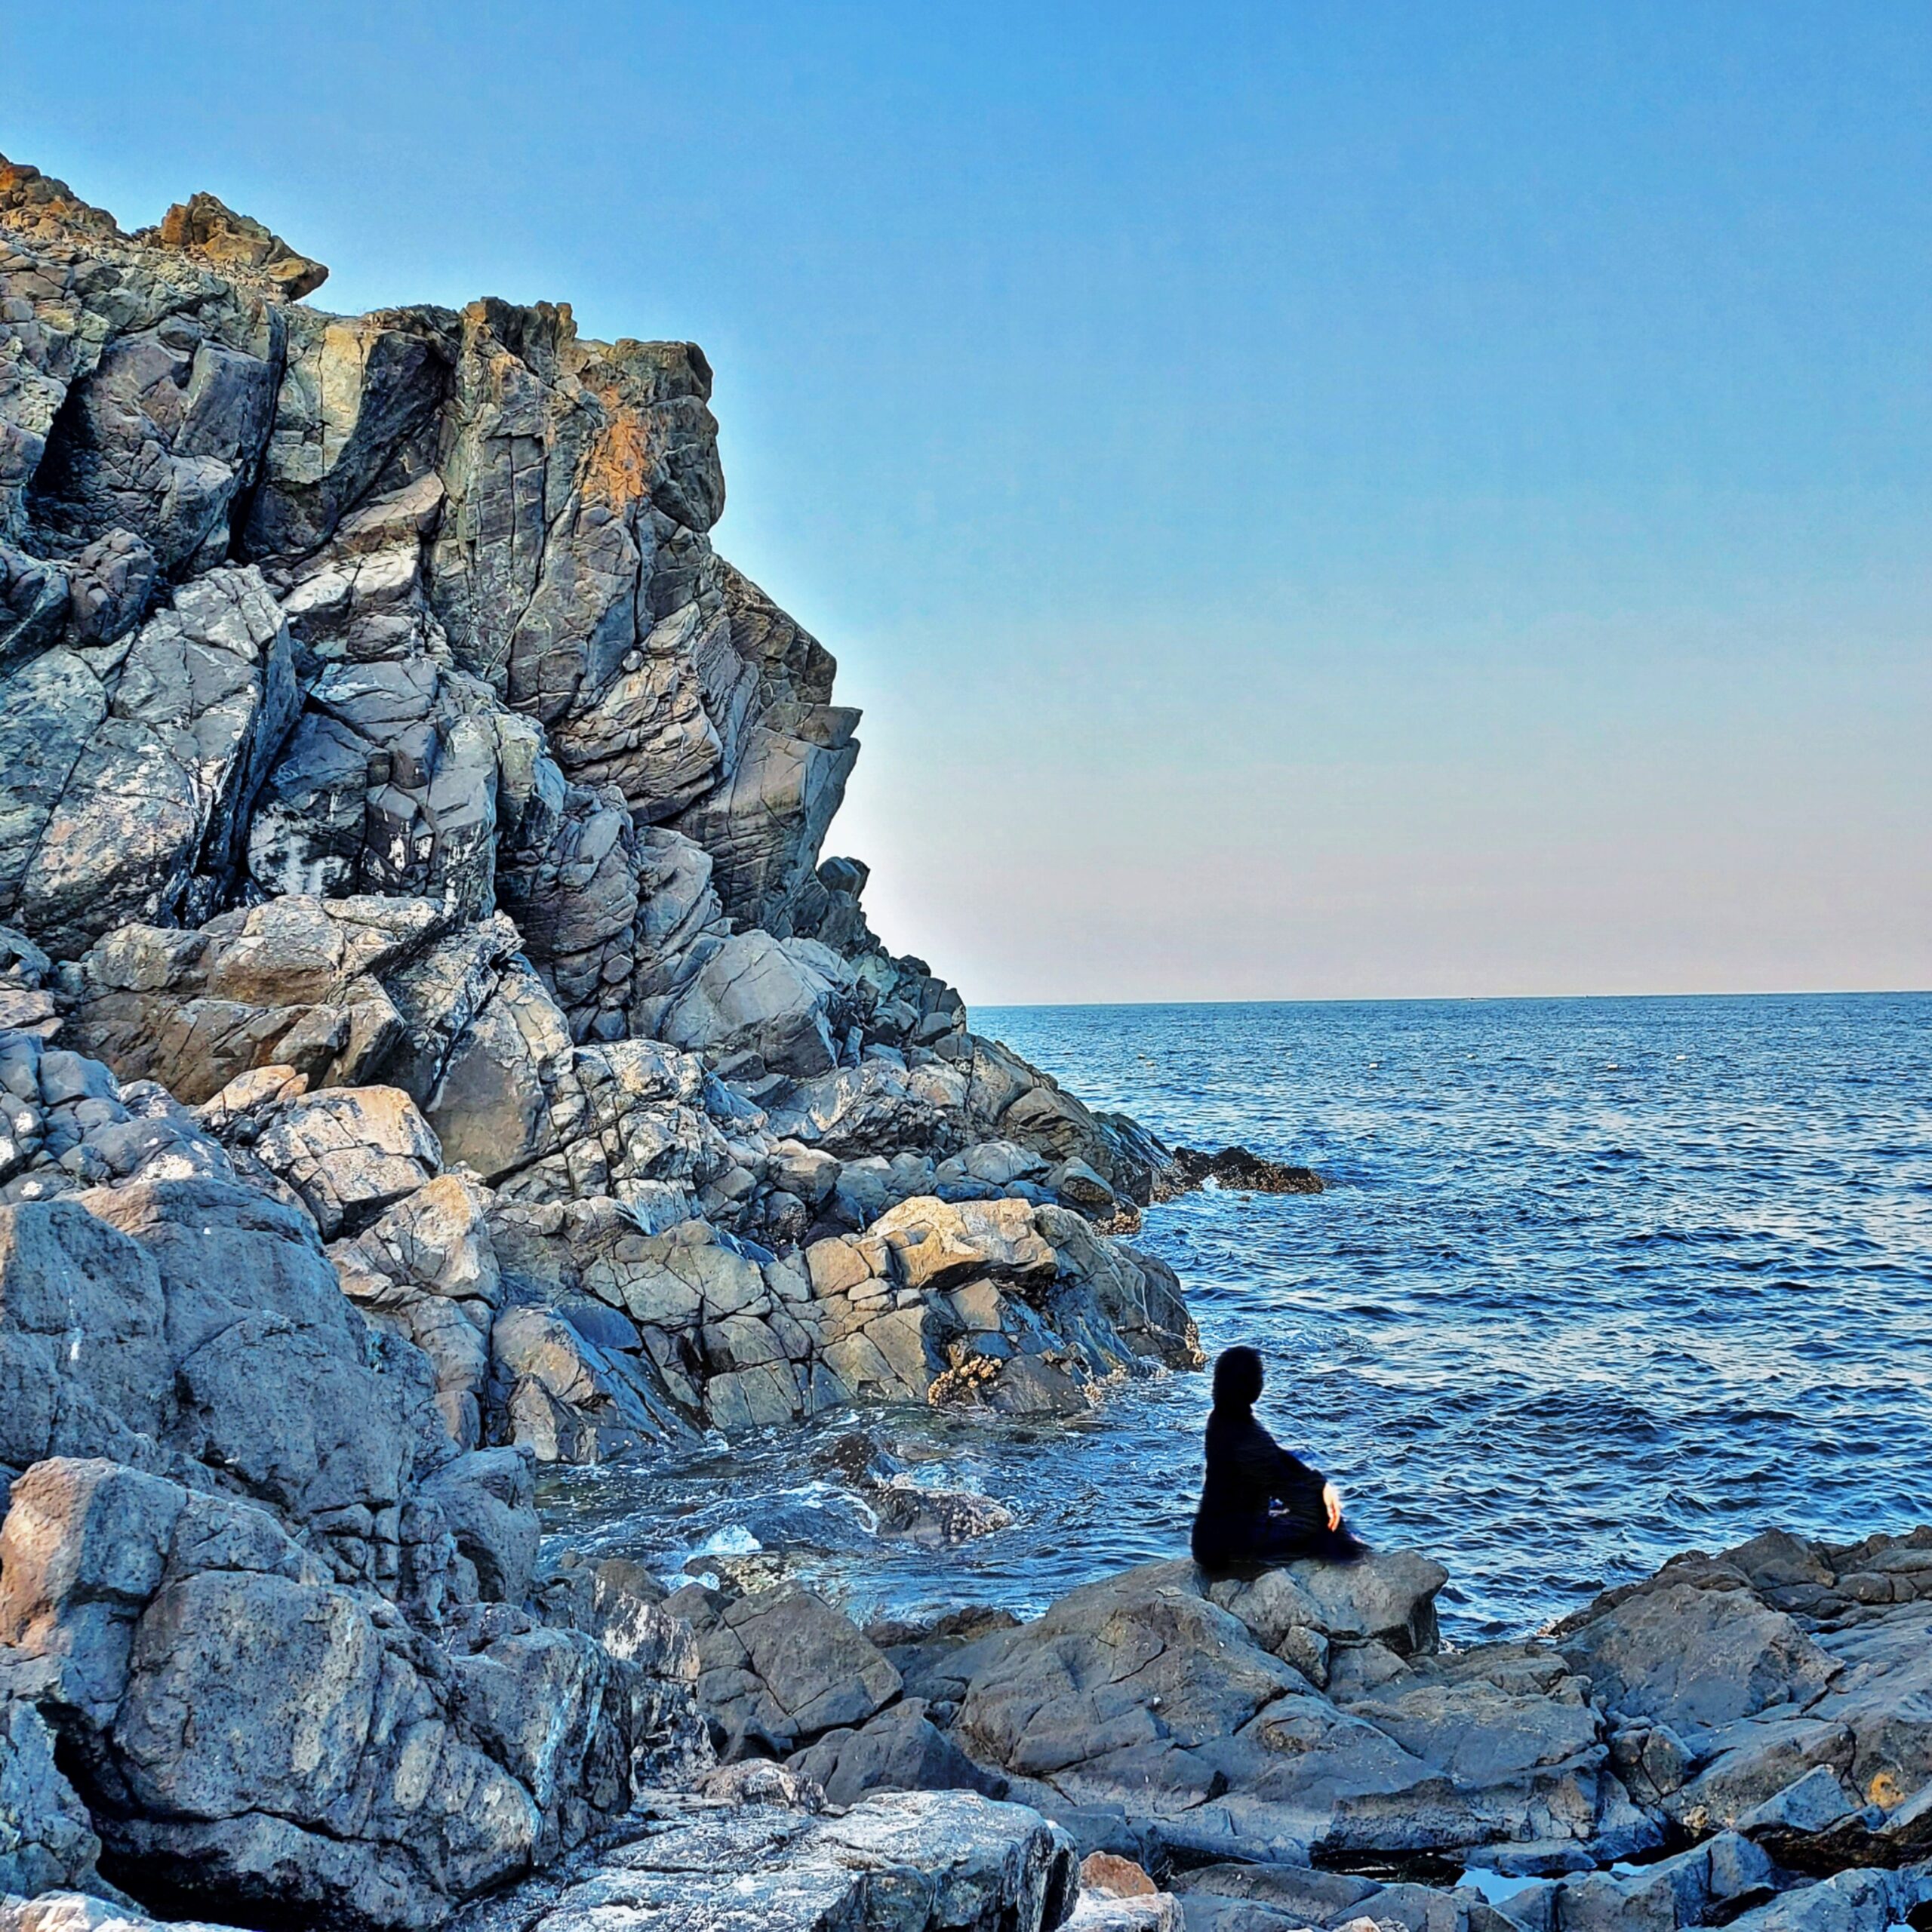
1593	1282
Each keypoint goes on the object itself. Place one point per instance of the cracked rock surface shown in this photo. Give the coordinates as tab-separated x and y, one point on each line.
434	1042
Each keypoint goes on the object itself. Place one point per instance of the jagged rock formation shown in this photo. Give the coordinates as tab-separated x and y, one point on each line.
391	770
304	611
432	1041
251	1581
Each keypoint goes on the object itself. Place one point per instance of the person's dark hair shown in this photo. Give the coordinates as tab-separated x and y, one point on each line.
1237	1379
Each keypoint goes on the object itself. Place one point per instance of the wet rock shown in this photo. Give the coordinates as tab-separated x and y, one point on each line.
1237	1170
933	1519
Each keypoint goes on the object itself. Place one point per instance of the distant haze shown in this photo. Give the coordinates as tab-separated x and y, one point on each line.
1314	499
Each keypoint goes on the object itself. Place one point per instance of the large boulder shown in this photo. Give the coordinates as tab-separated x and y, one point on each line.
925	1862
349	1152
1140	1695
1695	1656
761	995
900	1749
246	1731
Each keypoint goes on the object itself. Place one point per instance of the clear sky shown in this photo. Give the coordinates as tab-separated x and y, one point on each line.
1315	499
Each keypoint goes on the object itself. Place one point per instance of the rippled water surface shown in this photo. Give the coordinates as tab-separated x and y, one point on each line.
1594	1281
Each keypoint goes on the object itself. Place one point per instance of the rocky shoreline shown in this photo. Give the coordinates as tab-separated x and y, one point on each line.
434	1046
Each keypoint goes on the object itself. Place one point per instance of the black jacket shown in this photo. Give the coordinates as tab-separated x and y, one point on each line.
1250	1474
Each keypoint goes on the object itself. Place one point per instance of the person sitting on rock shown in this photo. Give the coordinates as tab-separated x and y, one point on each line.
1259	1504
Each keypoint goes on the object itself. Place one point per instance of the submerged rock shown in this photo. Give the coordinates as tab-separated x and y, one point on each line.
1236	1169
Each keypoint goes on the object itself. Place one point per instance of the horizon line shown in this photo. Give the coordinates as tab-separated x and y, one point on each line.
1461	999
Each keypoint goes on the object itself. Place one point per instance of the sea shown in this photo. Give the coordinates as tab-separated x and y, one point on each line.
1591	1281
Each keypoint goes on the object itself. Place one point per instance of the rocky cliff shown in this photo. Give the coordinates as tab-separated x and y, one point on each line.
392	771
433	1042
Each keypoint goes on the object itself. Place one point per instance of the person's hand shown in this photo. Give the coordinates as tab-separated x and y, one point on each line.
1331	1501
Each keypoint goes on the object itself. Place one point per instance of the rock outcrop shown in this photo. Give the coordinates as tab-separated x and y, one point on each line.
1276	1745
434	1042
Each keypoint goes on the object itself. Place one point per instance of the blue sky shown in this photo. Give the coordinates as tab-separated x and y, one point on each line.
1314	500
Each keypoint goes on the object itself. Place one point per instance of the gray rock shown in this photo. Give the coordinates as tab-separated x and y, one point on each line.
80	1912
164	1321
130	799
427	1271
556	1393
1811	1804
923	1862
1139	1693
781	1665
1695	1658
349	1152
900	1749
252	1732
756	994
302	982
488	1501
1854	1901
1388	1598
47	1842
